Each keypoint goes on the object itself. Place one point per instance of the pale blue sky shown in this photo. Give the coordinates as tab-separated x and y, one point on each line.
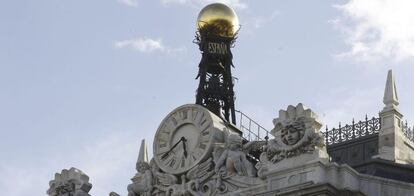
82	82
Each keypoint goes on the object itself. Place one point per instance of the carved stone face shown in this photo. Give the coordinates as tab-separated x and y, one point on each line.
65	189
290	135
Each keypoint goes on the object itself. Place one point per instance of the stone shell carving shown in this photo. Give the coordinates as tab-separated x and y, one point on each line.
296	131
72	182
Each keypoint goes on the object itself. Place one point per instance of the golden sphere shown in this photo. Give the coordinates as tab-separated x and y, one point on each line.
218	19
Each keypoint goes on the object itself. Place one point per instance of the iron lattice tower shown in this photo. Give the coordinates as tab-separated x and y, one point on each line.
215	90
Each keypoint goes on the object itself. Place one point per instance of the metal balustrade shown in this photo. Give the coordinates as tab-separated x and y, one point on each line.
408	131
352	131
252	131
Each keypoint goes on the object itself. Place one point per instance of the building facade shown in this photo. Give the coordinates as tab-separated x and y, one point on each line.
199	150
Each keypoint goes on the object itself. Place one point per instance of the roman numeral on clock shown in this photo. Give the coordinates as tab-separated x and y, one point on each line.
182	161
171	163
184	114
193	157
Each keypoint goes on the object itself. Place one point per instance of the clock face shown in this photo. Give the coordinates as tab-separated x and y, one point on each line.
183	139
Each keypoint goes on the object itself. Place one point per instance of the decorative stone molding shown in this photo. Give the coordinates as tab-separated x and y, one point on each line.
296	133
72	182
298	179
227	170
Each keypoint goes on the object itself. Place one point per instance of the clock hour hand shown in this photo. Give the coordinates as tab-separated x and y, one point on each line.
185	147
172	148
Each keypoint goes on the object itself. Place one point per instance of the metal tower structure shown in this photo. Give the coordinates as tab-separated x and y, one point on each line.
215	37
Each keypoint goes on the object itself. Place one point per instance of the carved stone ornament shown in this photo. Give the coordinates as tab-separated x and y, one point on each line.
296	132
142	182
233	171
72	182
231	160
185	138
197	153
226	171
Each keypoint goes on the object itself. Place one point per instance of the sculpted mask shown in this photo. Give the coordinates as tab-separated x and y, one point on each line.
296	132
291	134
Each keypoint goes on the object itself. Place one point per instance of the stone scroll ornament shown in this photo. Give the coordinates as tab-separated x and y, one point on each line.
296	132
72	182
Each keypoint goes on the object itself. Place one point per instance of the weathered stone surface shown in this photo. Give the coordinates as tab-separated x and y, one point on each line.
72	182
342	177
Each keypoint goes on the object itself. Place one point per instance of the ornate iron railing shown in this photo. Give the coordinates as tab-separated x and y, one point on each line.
252	131
408	131
352	131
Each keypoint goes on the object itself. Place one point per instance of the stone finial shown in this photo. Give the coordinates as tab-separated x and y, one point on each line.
390	95
143	154
393	145
142	162
142	182
70	182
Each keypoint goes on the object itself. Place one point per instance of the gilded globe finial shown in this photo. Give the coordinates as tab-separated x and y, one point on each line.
219	20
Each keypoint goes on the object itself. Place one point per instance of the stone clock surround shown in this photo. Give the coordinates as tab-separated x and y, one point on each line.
201	128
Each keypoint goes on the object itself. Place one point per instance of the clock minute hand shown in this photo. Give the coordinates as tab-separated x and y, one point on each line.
172	148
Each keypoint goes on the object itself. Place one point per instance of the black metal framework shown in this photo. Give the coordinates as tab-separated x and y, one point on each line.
215	90
353	131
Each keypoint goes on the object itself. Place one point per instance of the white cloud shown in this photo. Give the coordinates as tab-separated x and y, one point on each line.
199	3
260	21
377	30
143	44
132	3
148	45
